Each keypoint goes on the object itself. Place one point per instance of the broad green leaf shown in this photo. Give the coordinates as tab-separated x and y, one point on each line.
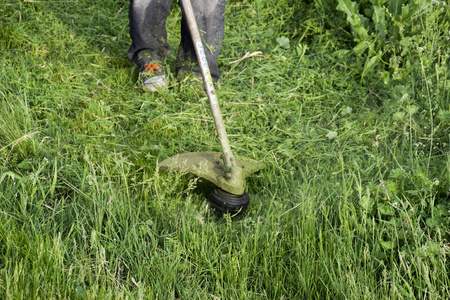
412	109
386	209
378	2
347	6
395	7
399	116
444	115
397	173
356	20
10	174
380	22
341	53
387	245
283	42
25	164
370	65
361	47
332	134
406	43
434	222
366	201
433	248
346	111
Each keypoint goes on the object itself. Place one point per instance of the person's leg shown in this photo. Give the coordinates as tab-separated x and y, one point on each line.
211	22
148	31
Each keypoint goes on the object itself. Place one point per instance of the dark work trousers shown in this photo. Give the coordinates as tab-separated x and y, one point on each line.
149	36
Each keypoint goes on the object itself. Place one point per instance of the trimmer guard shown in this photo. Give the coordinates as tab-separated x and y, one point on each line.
210	166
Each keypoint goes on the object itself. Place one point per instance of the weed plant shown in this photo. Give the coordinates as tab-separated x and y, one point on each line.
346	102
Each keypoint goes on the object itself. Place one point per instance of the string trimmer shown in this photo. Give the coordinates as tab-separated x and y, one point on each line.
225	170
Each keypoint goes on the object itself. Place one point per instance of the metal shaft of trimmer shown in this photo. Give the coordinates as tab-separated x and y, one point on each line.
209	86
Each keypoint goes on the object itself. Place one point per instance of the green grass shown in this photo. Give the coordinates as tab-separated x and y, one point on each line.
353	202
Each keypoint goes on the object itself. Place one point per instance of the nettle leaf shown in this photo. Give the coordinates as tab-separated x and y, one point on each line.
283	42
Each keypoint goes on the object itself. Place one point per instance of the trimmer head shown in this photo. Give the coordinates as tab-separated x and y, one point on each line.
210	166
224	202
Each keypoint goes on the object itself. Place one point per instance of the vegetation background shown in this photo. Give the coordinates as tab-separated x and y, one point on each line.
347	103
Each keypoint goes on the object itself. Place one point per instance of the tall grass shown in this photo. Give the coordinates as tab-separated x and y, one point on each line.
353	203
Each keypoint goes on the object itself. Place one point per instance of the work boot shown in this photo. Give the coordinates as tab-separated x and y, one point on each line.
152	78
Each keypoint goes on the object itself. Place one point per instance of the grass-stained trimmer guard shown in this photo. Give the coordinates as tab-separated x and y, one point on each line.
210	166
222	169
